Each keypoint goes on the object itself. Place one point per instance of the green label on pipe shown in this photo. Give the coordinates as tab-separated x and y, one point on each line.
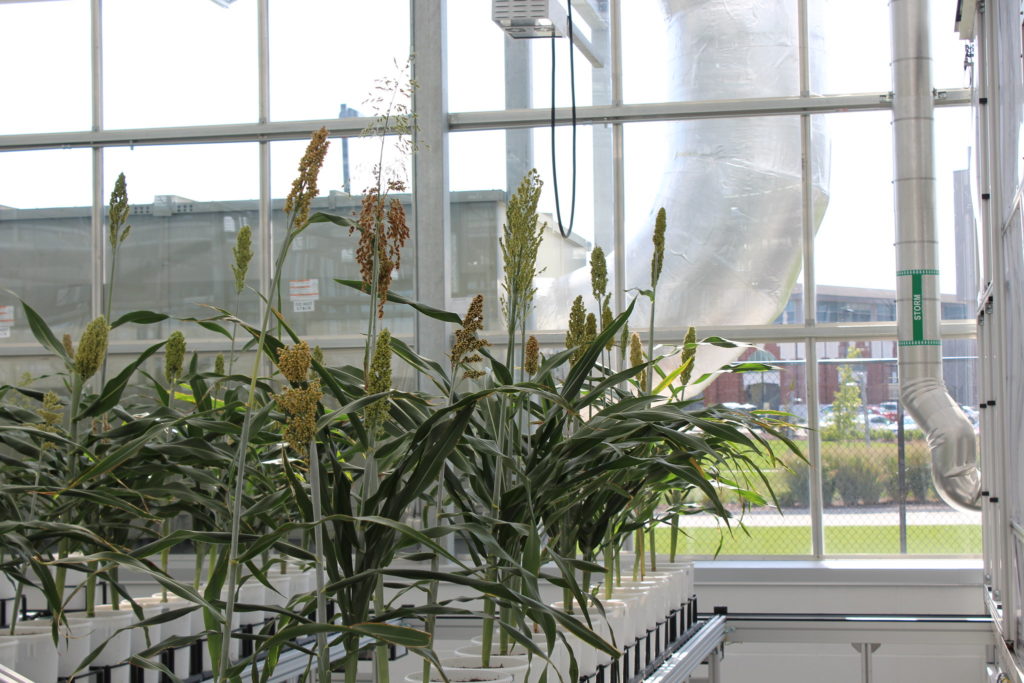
917	306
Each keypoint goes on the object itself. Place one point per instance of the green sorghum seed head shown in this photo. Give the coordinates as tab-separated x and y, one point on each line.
379	380
686	356
606	321
218	364
598	274
174	356
636	355
520	240
118	212
576	335
243	255
658	257
92	348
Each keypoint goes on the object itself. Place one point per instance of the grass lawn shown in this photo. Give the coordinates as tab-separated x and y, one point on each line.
935	539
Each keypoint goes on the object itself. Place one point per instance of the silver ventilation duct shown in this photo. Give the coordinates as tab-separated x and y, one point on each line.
918	313
732	189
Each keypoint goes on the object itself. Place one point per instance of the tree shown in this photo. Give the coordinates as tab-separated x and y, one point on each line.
846	404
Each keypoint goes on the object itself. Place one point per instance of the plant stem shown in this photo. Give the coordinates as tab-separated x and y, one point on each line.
240	459
165	554
654	549
323	657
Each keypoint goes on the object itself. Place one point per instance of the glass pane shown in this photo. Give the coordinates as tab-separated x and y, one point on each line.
45	233
854	244
476	58
49	43
315	305
478	213
850	50
955	215
732	193
684	50
42	373
866	509
769	531
323	58
947	48
188	204
171	63
488	70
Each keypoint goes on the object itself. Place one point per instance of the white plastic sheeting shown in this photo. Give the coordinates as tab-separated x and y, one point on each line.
732	189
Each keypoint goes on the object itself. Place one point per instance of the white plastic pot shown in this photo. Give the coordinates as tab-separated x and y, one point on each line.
184	625
36	657
462	676
73	643
104	627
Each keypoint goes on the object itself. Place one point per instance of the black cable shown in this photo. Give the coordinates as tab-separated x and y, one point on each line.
572	90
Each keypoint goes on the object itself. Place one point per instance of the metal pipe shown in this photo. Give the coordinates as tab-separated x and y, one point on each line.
918	314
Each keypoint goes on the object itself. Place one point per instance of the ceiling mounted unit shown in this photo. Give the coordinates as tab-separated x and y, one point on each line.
529	18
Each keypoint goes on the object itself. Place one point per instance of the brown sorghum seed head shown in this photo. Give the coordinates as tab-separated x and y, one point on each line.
294	362
69	348
531	362
300	405
467	345
304	188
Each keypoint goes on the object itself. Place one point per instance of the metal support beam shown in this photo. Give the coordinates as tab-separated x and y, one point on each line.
431	213
487	120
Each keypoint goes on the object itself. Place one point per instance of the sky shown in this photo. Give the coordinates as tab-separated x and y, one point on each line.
323	51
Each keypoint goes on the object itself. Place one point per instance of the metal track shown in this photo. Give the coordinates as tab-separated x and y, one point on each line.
691	654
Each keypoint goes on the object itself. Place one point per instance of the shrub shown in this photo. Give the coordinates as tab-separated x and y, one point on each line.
918	477
857	479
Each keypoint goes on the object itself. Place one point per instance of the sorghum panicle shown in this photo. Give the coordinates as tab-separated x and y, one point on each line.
531	362
636	356
243	255
218	364
658	257
174	356
521	238
92	348
69	348
467	345
300	405
598	274
294	362
378	381
576	335
118	212
606	321
687	355
304	188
